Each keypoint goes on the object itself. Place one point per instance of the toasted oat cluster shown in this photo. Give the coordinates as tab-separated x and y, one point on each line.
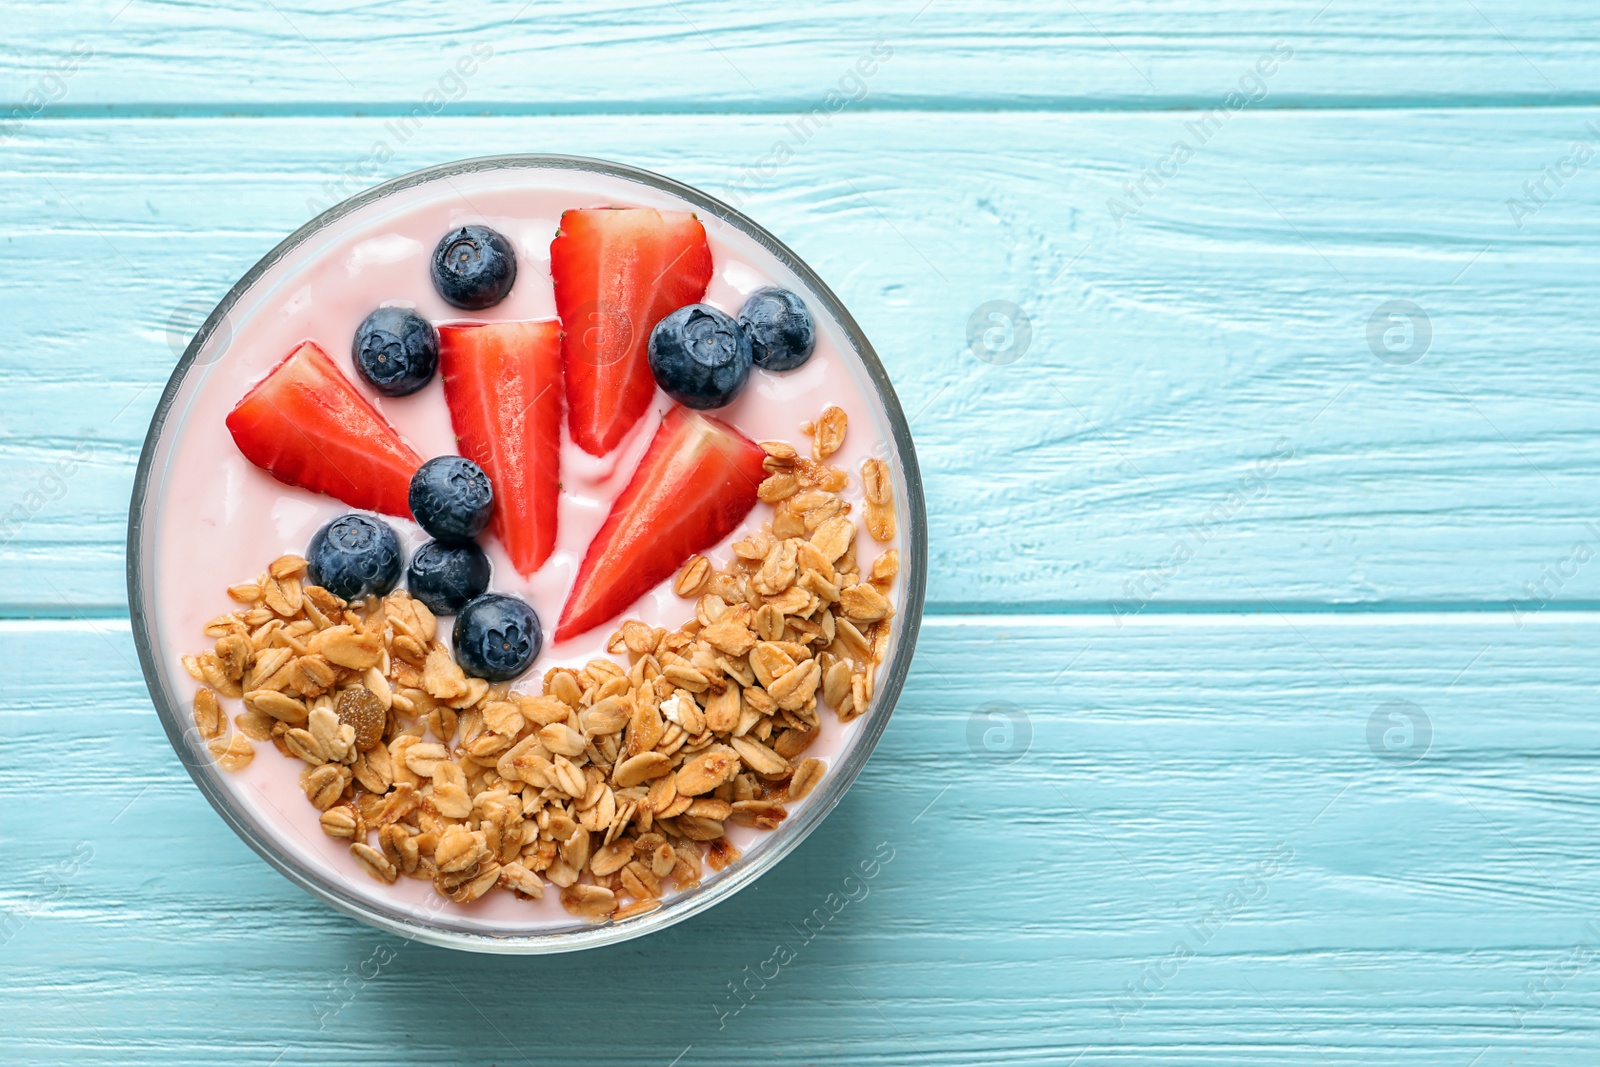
616	782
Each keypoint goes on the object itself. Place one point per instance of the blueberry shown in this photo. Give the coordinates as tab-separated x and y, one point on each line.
497	637
396	351
700	356
355	556
451	498
446	574
473	267
782	334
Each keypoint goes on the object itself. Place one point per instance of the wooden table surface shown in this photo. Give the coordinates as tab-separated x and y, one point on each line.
1254	717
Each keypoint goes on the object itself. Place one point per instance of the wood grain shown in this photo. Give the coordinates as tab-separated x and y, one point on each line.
1141	792
1031	880
716	55
1222	330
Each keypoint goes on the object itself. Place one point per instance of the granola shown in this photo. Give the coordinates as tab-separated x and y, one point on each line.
616	782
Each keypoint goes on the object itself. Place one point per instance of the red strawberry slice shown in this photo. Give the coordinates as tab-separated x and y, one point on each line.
502	382
617	272
307	426
695	484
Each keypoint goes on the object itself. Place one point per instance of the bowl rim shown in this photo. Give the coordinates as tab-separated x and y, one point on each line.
203	770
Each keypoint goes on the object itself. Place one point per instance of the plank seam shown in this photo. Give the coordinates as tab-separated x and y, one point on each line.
155	111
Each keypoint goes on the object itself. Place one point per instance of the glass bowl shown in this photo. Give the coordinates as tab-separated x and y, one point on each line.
155	487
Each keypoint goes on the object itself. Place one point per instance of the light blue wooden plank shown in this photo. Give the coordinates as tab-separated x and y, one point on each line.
1172	358
698	55
1408	907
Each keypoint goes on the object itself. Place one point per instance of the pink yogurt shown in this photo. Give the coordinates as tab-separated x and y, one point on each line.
220	520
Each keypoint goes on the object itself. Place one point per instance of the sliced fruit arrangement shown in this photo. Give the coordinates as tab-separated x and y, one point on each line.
617	272
502	382
628	285
307	426
695	484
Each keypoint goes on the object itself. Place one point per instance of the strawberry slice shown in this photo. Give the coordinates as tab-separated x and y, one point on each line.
502	382
307	426
617	272
696	482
